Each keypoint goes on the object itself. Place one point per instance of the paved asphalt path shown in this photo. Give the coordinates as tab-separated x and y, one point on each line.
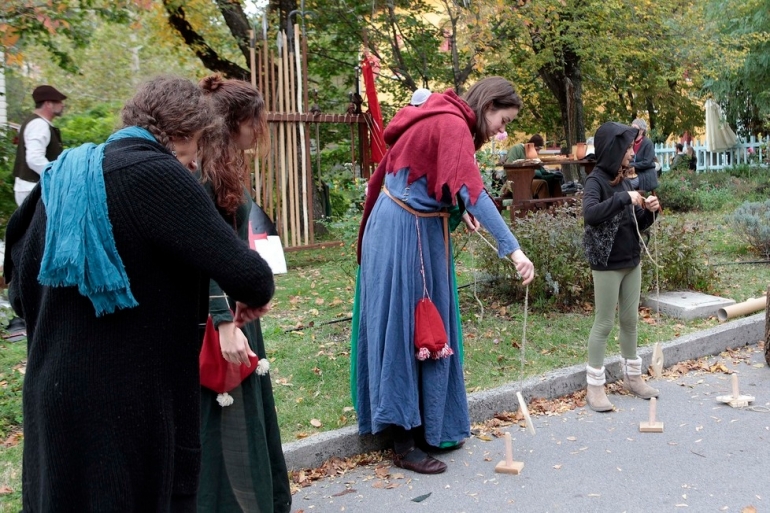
710	457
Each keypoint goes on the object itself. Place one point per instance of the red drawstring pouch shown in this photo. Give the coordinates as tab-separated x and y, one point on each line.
218	374
430	338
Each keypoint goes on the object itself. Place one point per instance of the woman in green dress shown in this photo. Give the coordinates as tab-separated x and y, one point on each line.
243	467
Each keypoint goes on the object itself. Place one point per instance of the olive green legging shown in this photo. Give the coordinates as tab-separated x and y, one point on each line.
615	288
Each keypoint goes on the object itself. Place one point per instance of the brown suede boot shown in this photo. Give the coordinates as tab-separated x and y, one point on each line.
595	395
633	381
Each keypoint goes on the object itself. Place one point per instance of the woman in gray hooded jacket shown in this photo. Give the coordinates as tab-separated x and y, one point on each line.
614	214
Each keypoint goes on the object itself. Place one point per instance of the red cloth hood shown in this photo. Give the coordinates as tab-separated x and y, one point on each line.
434	140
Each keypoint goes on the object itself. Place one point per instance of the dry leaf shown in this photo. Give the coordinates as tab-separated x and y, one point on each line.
344	492
316	423
5	490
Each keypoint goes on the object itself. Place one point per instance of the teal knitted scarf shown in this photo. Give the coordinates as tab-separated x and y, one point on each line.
79	245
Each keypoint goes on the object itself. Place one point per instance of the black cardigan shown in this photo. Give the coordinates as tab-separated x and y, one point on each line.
111	404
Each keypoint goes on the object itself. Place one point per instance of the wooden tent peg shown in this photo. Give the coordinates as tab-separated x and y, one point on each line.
508	466
652	425
735	399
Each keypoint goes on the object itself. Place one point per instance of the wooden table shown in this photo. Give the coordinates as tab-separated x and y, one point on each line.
587	164
520	176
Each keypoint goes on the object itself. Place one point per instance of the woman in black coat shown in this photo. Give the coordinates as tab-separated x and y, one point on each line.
110	286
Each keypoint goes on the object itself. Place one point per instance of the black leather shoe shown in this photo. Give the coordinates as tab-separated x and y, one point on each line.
426	465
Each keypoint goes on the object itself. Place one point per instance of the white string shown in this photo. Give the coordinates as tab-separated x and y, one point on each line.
422	264
526	308
636	223
653	260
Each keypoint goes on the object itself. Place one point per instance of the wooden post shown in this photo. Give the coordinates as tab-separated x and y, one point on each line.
508	466
767	327
652	426
735	399
284	225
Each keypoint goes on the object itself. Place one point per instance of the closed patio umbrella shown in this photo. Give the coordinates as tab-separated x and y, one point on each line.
719	135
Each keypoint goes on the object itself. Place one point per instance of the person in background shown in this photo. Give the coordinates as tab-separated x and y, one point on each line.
39	141
243	467
646	179
692	159
419	97
39	144
108	260
545	184
614	214
407	386
680	158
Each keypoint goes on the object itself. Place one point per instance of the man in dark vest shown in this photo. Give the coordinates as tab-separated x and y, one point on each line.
39	144
39	141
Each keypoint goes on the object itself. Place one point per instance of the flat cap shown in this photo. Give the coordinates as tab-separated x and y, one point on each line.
46	93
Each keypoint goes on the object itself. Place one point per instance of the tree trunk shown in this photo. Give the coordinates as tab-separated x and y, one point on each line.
284	8
566	84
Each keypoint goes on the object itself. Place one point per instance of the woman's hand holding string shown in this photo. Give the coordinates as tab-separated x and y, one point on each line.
651	203
524	266
636	198
471	222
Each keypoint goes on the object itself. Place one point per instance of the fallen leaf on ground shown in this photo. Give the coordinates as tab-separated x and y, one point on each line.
344	492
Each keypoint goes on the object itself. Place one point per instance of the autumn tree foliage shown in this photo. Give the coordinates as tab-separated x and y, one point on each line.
47	22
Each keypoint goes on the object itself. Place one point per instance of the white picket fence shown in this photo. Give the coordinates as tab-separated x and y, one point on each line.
754	151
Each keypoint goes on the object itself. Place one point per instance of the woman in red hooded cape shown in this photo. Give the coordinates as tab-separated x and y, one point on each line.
415	392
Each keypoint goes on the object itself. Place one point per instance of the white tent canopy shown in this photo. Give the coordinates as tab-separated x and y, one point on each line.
719	135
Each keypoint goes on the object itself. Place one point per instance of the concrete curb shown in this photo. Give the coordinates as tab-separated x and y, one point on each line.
343	443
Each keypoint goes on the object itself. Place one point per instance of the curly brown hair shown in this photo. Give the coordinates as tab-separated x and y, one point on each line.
495	93
221	161
168	107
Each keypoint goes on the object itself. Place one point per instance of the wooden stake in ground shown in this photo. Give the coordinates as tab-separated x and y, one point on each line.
656	366
651	426
525	413
736	400
767	327
508	466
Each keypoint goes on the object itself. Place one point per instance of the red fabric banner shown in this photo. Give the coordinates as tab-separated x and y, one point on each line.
378	141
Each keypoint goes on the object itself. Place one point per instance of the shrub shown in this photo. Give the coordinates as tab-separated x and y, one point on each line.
553	241
678	248
752	222
677	193
94	125
7	160
684	191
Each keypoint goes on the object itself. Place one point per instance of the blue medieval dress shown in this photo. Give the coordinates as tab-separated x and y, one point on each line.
393	387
